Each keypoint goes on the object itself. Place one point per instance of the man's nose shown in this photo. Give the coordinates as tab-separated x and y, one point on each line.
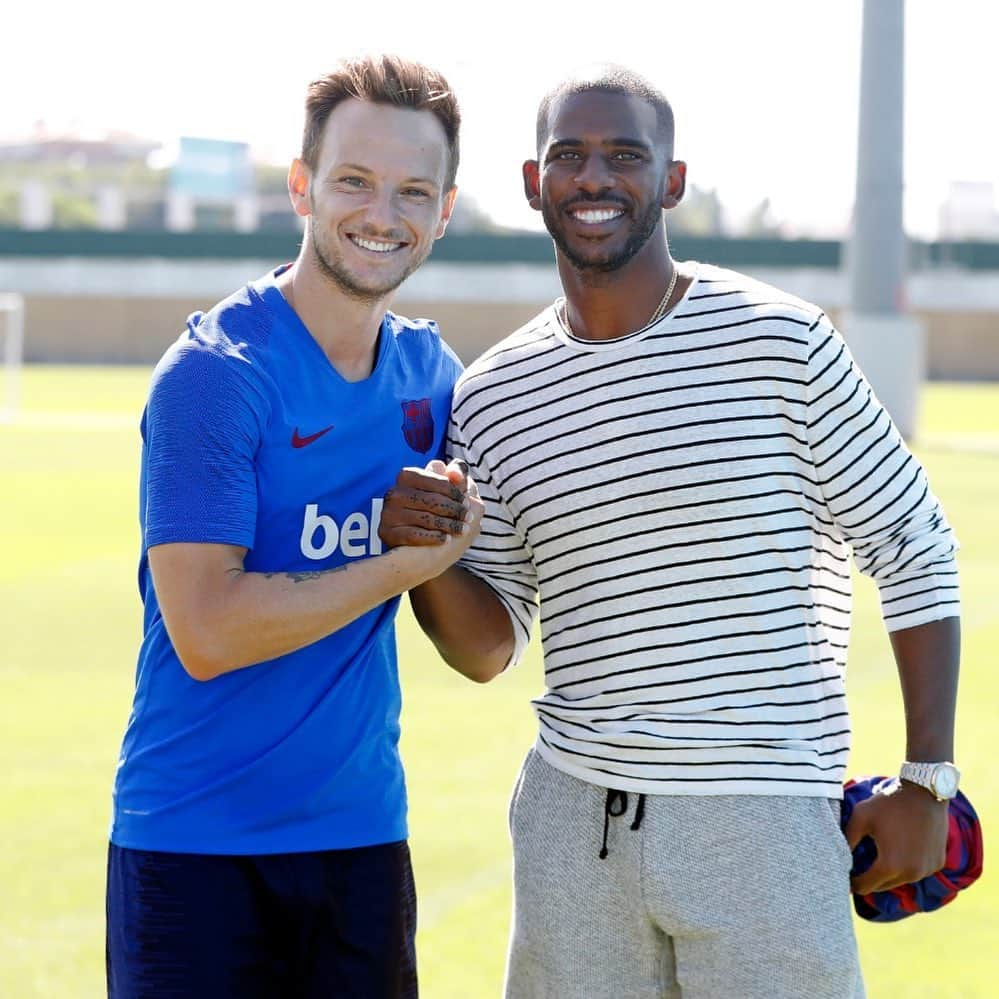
382	212
594	175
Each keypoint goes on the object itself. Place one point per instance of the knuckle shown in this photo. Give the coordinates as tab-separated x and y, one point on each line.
432	501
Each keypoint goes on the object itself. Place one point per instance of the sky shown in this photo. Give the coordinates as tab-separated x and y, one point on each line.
765	93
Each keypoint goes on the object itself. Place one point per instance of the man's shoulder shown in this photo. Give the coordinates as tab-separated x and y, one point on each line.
244	318
509	355
232	326
422	335
721	290
421	342
425	331
225	345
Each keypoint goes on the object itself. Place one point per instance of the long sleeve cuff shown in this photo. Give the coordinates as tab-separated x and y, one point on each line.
920	596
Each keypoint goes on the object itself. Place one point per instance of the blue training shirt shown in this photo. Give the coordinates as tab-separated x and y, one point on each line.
252	438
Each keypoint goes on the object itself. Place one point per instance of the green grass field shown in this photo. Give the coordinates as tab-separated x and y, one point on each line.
69	629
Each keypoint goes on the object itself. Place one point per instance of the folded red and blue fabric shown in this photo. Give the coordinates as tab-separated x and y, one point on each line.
961	868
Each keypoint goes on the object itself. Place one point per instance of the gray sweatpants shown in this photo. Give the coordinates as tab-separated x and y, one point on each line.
727	897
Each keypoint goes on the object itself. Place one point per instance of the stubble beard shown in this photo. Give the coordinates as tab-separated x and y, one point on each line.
639	235
335	271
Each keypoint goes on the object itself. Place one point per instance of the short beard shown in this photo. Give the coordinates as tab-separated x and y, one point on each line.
640	234
334	271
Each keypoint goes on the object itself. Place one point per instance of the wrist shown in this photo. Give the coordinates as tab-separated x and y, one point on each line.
419	564
938	778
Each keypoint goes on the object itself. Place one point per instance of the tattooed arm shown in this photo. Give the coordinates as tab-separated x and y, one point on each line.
222	618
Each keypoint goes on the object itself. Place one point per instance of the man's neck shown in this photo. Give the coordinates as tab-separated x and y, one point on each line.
603	305
345	327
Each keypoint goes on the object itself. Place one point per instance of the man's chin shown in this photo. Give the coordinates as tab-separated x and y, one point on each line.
362	290
368	292
595	261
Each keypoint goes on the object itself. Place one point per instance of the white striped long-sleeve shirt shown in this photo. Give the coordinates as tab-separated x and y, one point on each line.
684	500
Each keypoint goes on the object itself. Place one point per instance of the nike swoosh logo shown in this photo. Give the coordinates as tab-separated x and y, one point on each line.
297	441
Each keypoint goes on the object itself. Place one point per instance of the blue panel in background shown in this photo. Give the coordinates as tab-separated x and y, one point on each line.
212	168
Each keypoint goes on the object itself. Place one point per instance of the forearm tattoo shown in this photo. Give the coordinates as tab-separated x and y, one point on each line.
301	577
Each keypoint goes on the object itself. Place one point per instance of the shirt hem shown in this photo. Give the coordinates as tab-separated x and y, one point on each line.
694	788
250	848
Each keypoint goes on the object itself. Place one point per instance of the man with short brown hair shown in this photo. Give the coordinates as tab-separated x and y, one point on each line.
259	838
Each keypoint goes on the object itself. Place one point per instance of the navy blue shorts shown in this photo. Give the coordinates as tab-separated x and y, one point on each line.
335	923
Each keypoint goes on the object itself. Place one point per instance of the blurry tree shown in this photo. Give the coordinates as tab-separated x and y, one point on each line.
698	214
135	179
73	211
761	222
73	188
274	208
270	179
9	207
470	216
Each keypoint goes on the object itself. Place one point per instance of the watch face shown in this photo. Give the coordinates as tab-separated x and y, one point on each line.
945	782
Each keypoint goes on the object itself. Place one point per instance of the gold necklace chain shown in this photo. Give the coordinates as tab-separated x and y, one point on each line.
661	307
657	315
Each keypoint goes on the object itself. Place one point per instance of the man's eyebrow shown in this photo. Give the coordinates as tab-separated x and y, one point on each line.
628	141
357	168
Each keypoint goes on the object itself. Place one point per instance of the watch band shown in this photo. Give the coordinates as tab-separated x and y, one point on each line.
927	775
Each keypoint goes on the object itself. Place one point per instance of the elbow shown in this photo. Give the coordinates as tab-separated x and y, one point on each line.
201	671
488	661
483	672
198	666
478	668
202	658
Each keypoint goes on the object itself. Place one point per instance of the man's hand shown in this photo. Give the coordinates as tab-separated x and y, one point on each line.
427	506
909	828
434	513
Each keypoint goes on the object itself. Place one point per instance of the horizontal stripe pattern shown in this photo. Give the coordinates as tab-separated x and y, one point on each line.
684	502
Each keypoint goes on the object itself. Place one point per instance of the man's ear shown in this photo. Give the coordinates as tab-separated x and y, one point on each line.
446	211
676	184
299	178
532	183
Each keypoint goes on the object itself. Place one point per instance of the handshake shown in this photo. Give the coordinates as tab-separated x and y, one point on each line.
437	505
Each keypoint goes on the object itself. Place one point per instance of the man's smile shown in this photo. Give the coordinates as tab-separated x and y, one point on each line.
375	245
595	216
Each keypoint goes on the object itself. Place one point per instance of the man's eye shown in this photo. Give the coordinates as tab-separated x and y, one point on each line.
352	181
415	192
627	156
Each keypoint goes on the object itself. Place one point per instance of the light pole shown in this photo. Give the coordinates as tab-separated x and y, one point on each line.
885	339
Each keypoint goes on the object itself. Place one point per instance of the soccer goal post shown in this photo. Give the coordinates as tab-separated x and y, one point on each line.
12	334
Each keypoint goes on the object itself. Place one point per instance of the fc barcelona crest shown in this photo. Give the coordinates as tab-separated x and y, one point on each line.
418	424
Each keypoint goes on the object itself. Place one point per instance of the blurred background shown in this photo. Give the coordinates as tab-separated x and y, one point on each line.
142	171
837	149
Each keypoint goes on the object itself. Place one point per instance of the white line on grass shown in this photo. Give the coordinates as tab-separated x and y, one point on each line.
438	905
34	419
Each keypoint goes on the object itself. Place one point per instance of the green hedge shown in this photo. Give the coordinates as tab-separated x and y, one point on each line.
472	248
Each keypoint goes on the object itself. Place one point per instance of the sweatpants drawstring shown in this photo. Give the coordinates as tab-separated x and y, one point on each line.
639	812
614	799
616	804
